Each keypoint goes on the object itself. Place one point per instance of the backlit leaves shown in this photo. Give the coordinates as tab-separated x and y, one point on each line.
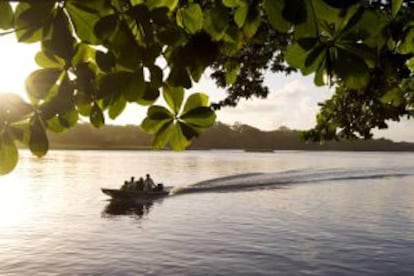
175	128
6	16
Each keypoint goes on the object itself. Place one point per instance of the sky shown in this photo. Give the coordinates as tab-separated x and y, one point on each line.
292	102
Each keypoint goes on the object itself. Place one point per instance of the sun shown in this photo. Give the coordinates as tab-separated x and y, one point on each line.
16	63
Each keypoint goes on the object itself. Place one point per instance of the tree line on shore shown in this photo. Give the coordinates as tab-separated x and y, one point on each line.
220	136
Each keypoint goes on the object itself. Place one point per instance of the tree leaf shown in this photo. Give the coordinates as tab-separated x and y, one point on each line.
240	15
6	16
40	82
179	141
106	61
38	142
273	11
60	41
202	116
190	18
216	21
46	59
135	88
153	126
163	135
116	107
159	113
252	22
173	96
32	19
195	100
396	6
8	154
84	15
97	117
170	4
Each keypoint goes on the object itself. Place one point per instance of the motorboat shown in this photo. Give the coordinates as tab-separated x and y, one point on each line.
136	195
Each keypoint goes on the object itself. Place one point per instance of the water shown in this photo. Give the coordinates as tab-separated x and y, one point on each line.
234	213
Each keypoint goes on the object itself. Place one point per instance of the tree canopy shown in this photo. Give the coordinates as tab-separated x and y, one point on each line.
98	55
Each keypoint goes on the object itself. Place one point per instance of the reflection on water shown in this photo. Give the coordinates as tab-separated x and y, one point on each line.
126	208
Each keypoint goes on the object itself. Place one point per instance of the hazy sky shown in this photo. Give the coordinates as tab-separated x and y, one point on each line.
292	101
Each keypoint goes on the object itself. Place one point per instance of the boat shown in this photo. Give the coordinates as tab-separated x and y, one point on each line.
136	196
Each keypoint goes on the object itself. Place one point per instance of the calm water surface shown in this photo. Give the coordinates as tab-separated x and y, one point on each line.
235	213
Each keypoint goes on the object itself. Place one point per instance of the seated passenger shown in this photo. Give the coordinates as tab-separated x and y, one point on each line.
148	184
140	184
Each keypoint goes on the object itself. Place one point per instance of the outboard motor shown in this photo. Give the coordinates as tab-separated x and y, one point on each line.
160	187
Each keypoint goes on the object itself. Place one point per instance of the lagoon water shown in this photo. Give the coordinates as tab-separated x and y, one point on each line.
233	213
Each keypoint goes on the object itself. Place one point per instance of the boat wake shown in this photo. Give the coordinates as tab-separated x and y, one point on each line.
252	181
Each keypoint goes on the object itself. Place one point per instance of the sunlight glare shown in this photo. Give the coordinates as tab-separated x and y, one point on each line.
16	63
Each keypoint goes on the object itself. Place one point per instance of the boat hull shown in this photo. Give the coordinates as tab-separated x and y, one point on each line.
137	196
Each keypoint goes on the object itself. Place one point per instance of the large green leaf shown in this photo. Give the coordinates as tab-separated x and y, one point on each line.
273	11
6	16
153	126
106	61
85	14
190	18
159	113
32	20
202	116
135	88
8	153
252	22
40	82
178	140
194	101
38	142
116	107
46	59
174	97
216	21
60	40
407	45
396	6
163	135
241	13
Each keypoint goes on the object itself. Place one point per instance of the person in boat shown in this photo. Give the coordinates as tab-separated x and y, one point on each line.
131	184
125	186
140	184
149	184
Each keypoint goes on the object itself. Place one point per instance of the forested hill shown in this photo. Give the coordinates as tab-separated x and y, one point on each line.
220	136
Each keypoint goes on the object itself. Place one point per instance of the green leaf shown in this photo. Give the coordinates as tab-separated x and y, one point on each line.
410	64
151	94
116	107
394	97
40	82
38	142
174	97
396	6
240	15
156	76
195	100
252	22
179	77
295	11
84	15
153	126
178	140
273	11
170	4
407	45
159	113
83	54
46	59
6	16
352	70
31	20
97	117
60	40
8	154
106	61
190	18
135	88
216	21
202	116
162	137
232	3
